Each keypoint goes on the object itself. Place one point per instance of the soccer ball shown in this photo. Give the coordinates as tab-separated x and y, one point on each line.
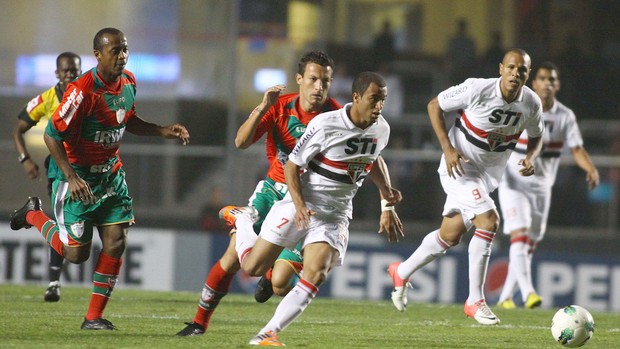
572	326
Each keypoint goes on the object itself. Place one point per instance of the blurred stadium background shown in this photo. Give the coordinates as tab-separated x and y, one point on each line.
205	63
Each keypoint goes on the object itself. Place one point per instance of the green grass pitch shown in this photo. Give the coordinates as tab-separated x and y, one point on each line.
151	319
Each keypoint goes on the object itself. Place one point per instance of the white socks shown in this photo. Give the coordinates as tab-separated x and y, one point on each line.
431	248
479	254
291	306
246	237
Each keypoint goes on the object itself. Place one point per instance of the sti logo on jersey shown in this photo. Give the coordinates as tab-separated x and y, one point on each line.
361	146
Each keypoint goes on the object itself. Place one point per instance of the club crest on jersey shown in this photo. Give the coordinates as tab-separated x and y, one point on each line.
120	115
355	171
494	139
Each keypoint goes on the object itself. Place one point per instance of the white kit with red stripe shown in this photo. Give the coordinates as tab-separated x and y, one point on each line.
338	156
561	129
487	128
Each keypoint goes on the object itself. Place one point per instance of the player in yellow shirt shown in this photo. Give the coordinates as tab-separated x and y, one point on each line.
68	67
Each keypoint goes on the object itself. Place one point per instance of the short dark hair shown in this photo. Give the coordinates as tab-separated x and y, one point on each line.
67	55
98	40
516	50
317	57
547	65
364	79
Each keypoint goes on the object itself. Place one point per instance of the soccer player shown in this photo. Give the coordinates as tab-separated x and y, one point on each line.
493	113
68	67
89	187
525	201
337	151
283	118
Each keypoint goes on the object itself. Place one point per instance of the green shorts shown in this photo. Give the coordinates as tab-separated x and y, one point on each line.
76	219
293	255
267	193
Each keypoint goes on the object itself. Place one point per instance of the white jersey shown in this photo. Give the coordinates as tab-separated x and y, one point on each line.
488	128
338	156
560	129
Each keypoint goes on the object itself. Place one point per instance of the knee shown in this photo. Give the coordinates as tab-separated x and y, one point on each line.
230	262
453	239
77	255
489	223
253	269
281	291
317	278
119	242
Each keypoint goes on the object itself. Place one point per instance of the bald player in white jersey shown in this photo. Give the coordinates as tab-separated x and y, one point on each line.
338	150
492	115
525	201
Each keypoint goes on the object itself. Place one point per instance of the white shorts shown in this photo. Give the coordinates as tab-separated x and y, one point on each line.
466	195
524	208
279	228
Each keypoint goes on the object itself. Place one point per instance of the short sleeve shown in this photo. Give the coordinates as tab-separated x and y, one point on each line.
572	132
310	144
536	126
456	97
67	116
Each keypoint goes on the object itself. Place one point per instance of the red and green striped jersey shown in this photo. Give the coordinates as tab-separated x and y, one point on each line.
284	123
91	118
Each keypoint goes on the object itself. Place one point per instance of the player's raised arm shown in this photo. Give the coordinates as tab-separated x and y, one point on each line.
247	130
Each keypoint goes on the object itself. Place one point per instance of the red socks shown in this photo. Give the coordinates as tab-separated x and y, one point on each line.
104	280
216	286
48	229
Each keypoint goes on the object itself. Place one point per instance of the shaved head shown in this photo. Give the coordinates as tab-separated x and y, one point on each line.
520	52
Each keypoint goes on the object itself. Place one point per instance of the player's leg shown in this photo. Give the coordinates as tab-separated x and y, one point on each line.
286	272
32	215
279	225
259	258
319	259
533	299
52	294
432	247
220	277
266	194
216	286
510	284
62	234
113	214
282	277
517	208
541	202
479	251
113	240
517	267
